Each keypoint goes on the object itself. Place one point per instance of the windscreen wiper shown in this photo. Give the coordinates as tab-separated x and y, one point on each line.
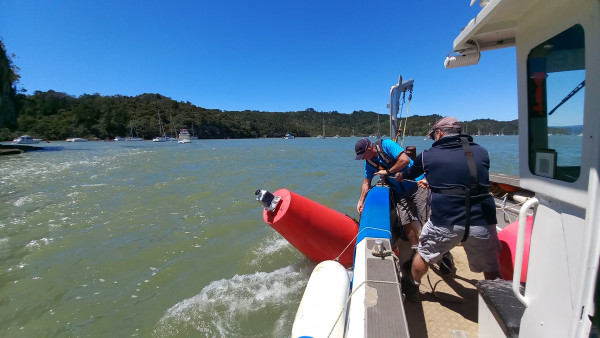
570	95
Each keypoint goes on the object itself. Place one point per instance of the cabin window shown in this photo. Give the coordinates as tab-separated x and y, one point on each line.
556	88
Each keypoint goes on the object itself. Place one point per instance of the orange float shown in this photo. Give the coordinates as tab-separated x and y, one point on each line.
507	187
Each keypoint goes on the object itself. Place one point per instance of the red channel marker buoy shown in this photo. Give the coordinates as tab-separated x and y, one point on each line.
317	231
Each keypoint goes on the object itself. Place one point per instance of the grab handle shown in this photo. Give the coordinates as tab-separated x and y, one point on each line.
516	283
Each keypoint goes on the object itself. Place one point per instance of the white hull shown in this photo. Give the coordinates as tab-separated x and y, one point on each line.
25	139
322	310
184	136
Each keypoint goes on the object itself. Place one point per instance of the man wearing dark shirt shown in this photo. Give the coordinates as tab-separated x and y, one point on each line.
462	210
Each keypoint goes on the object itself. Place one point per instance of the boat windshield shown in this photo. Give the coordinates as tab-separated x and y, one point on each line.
556	88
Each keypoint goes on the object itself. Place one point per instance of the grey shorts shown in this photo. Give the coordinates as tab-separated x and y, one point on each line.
482	246
412	205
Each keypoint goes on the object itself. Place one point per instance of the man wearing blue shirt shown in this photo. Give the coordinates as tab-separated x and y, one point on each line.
386	157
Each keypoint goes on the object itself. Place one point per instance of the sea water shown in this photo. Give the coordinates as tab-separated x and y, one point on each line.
165	239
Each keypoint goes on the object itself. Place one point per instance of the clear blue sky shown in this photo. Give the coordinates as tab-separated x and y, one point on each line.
267	55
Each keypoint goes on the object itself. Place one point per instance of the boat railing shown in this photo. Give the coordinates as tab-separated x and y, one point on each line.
516	282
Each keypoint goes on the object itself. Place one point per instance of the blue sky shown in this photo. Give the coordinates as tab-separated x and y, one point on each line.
267	55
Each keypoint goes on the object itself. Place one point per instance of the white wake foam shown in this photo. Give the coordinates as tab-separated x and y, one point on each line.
226	306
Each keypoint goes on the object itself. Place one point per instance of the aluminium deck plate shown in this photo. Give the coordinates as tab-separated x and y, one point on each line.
384	312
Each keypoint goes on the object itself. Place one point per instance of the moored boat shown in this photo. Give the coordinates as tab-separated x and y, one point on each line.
76	139
26	139
131	137
184	136
161	130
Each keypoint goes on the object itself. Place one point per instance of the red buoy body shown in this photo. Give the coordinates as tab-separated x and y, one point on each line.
317	231
508	241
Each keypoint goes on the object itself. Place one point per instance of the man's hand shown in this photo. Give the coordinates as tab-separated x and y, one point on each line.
423	184
359	208
382	172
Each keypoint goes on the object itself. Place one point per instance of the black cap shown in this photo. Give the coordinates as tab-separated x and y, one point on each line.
360	147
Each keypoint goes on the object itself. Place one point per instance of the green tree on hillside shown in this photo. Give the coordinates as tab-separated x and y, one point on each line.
9	78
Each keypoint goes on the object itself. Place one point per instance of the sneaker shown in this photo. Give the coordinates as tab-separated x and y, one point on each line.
410	289
447	264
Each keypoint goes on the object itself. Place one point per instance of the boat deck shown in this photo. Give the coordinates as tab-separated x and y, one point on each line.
447	305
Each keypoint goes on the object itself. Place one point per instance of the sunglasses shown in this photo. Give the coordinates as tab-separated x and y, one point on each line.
432	134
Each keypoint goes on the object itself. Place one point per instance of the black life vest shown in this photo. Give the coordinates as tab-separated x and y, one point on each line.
472	190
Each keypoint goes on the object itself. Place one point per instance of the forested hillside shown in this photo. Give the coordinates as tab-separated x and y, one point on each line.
55	116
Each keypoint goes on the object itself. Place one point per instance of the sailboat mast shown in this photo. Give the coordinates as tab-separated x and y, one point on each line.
161	129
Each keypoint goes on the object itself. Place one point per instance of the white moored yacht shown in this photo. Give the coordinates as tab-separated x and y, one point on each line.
26	139
184	136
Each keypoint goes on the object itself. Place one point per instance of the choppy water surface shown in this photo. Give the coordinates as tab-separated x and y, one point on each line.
165	239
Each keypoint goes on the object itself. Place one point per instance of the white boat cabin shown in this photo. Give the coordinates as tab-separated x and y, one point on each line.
558	81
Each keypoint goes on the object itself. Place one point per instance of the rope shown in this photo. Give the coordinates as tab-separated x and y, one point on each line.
496	192
406	118
399	123
436	296
406	179
503	208
337	259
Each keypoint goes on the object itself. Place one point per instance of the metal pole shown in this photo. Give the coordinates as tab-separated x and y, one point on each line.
395	92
